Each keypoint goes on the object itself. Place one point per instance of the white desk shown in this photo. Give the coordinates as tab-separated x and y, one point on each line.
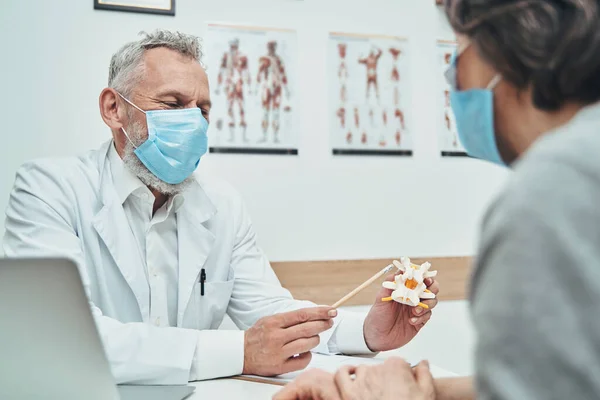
233	389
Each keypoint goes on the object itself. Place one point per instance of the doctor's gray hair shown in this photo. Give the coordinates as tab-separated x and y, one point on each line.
550	46
127	67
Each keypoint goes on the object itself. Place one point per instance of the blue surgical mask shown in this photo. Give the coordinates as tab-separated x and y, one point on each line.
176	141
474	114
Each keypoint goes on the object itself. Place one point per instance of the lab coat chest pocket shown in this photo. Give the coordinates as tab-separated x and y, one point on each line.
213	305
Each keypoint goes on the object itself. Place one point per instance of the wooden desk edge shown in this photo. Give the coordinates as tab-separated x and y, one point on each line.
258	380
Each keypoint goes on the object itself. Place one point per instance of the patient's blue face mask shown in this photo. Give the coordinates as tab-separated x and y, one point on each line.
474	113
176	141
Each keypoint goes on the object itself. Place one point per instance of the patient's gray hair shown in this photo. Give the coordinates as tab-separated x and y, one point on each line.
127	67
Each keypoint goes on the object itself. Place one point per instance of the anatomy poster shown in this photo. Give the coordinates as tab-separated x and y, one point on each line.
447	134
252	73
369	95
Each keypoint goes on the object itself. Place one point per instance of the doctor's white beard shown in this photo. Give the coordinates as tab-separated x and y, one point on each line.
132	162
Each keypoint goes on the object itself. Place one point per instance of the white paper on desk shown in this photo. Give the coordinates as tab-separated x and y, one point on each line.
329	363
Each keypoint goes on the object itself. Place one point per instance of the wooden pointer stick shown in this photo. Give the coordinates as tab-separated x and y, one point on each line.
367	283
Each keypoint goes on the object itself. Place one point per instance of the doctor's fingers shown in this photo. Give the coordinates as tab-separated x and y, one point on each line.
296	363
420	311
300	346
307	329
432	285
292	318
420	321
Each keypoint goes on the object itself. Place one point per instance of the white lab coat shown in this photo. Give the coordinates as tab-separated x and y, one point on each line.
69	207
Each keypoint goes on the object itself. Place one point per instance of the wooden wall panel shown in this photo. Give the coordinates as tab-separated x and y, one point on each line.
325	282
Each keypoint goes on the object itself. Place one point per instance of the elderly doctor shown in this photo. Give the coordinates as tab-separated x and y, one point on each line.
164	255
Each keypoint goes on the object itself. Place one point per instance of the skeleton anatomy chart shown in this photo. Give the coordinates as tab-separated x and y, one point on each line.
252	79
369	95
447	135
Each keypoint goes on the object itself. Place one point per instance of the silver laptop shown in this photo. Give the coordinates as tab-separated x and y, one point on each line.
49	346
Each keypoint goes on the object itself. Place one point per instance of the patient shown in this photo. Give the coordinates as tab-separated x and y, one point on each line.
526	81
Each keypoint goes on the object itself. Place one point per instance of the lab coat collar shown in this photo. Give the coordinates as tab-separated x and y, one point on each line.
124	180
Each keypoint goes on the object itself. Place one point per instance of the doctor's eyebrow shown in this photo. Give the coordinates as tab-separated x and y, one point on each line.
172	93
205	103
182	97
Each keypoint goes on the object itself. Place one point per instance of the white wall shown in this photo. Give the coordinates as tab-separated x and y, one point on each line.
55	57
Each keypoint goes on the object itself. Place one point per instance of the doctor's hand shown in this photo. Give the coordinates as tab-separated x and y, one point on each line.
390	325
271	344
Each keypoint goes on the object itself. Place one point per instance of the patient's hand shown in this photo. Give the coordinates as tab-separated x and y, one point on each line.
392	380
311	385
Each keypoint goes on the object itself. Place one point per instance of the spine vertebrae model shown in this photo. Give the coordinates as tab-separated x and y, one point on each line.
409	286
